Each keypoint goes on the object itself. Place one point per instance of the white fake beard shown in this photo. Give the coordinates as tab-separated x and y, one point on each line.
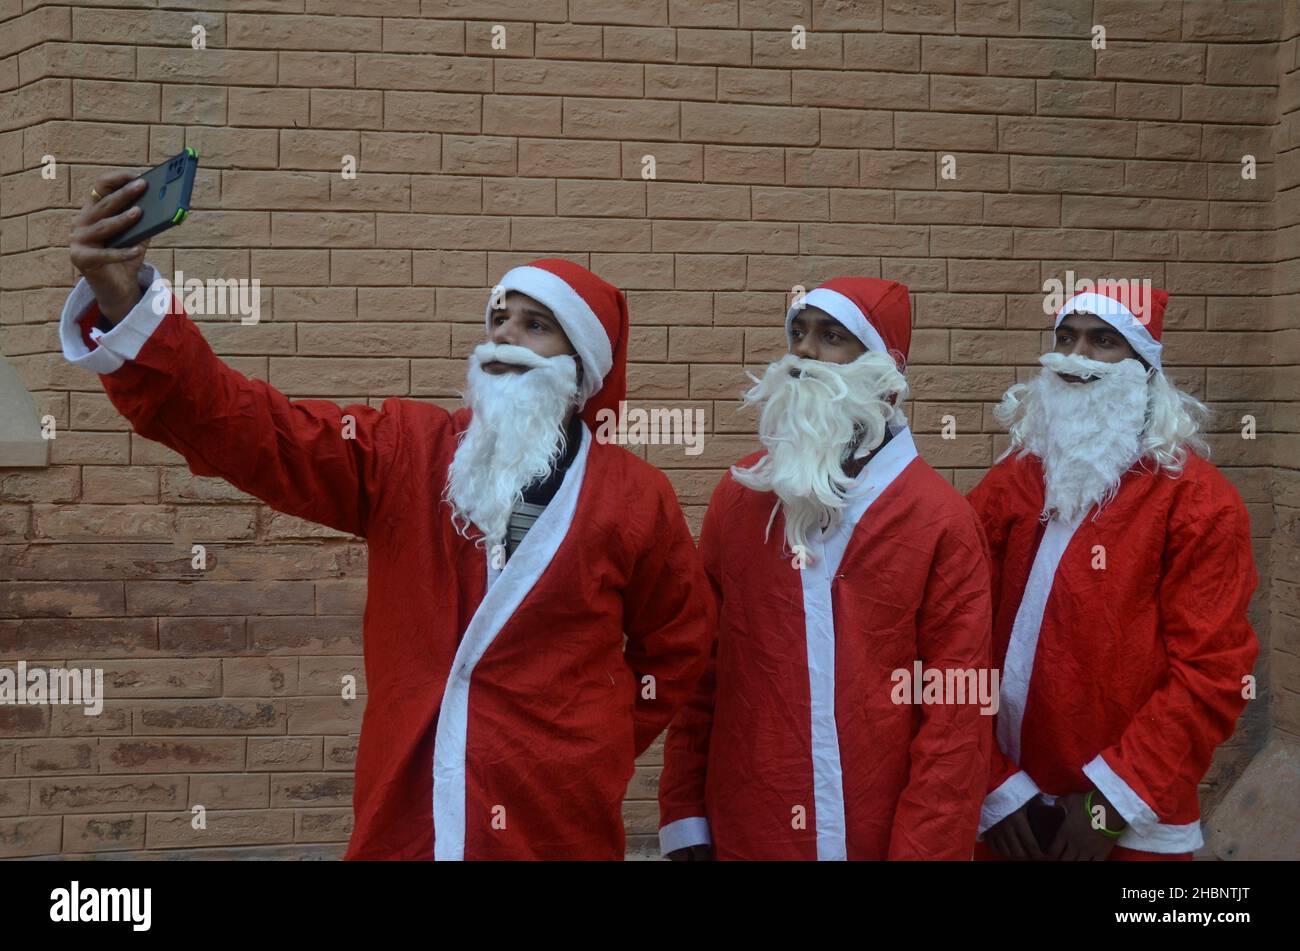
514	437
811	425
1086	434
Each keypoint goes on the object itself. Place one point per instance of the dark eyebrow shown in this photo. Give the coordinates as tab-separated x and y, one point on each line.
824	321
830	323
1069	324
530	311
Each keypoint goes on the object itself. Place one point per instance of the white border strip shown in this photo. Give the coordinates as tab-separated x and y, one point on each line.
1145	831
1014	791
819	632
684	833
1121	795
1164	838
1019	664
126	340
499	604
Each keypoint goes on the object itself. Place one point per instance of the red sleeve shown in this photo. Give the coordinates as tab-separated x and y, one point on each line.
1205	588
668	618
308	458
686	750
939	808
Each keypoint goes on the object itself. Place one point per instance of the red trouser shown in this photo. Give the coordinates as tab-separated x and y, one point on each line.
1118	854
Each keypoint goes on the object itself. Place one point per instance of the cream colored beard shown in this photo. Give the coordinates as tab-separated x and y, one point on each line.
809	427
515	436
1086	434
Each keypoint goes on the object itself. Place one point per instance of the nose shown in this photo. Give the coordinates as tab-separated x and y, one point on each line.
804	348
504	332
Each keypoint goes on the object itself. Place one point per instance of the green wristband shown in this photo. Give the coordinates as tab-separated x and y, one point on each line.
1108	833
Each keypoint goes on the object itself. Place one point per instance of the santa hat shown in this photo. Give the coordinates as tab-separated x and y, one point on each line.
593	315
875	311
1133	308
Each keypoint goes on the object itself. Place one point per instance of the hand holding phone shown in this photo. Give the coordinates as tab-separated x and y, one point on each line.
110	272
116	211
165	201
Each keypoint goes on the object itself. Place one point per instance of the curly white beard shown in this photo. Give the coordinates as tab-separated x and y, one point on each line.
810	425
1089	434
514	437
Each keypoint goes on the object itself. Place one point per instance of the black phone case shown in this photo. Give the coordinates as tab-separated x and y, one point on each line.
165	202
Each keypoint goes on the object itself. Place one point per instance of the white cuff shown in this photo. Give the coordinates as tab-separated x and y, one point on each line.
125	340
684	833
1016	790
1130	805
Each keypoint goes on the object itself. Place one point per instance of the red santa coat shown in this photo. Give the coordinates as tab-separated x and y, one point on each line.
1122	674
794	716
503	710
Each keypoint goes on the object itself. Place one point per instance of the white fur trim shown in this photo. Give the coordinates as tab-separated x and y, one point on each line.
842	309
683	834
1145	831
819	632
499	604
580	323
1121	318
1164	838
1121	795
1019	664
126	339
1014	791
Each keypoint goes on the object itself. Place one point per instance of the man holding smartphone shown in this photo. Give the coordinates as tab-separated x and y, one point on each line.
536	608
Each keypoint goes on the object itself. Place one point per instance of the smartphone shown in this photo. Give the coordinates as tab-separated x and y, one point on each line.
165	202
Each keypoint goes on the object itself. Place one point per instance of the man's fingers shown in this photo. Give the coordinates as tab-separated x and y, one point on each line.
1026	841
1004	842
100	232
105	184
1057	848
110	182
114	200
91	258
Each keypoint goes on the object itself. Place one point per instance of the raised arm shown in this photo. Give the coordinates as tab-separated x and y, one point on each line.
308	458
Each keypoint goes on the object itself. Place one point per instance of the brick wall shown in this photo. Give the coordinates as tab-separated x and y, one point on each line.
774	166
1284	568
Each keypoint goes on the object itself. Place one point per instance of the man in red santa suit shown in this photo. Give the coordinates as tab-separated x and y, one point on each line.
1122	569
839	560
536	608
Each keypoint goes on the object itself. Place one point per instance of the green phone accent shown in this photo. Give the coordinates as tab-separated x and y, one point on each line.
179	216
190	151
